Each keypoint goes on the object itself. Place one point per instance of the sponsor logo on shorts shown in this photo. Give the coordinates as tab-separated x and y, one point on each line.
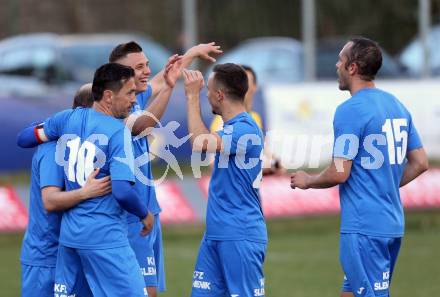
259	291
151	269
384	284
199	282
60	290
148	271
361	289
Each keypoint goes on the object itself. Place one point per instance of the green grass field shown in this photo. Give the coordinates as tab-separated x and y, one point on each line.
302	258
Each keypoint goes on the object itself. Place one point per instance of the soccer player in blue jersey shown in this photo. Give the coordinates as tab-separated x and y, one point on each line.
156	93
93	236
376	151
47	199
232	251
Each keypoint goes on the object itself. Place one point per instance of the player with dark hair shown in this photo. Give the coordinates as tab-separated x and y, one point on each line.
156	93
47	201
93	236
271	165
232	252
217	123
377	150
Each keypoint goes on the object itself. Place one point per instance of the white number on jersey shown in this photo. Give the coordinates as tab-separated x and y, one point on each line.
394	133
82	156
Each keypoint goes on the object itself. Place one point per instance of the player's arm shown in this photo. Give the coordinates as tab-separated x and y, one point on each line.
51	129
416	165
128	199
337	173
346	122
202	51
55	199
201	139
31	136
155	110
163	83
121	164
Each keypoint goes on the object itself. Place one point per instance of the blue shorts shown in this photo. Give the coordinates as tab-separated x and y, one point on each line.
368	263
109	272
229	268
149	253
37	281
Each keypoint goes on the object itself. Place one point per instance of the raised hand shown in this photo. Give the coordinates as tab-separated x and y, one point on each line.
194	82
173	70
205	50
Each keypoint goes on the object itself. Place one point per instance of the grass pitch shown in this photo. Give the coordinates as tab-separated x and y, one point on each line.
302	258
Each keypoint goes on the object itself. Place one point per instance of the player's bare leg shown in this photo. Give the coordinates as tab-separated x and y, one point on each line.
347	294
152	292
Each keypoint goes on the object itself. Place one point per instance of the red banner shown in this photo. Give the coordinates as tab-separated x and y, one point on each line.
175	207
13	214
279	200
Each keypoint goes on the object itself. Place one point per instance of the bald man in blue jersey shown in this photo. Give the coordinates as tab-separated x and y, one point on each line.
376	150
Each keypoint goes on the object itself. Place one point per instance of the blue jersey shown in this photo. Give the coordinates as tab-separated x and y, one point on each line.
374	130
144	186
89	139
234	207
40	243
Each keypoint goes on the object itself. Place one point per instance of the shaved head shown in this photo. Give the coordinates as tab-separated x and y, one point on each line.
83	97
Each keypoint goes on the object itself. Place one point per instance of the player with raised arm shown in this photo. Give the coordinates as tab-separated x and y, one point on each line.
156	93
232	252
377	150
93	235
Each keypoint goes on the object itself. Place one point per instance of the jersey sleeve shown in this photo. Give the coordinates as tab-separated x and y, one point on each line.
51	174
120	154
347	129
53	126
414	141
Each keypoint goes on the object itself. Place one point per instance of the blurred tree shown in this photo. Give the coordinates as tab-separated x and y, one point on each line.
393	22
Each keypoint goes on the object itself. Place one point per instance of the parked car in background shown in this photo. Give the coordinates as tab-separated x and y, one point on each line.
412	55
327	55
281	59
45	60
274	59
39	73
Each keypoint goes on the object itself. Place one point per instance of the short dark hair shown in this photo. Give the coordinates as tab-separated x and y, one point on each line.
233	79
251	70
83	97
110	76
122	50
366	54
